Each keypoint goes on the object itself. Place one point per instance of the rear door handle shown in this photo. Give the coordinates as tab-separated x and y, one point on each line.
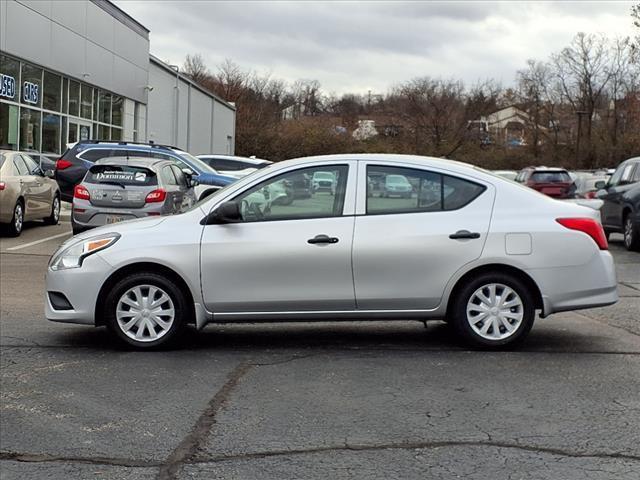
462	234
322	239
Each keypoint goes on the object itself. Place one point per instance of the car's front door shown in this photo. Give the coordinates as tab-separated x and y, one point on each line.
611	211
291	252
41	189
407	247
28	188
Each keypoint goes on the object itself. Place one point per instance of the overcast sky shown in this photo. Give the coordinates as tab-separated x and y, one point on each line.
357	46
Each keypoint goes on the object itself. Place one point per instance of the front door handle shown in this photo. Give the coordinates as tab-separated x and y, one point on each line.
462	234
322	239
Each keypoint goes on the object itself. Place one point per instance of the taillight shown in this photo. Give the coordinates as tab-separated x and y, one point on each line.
62	164
2	185
590	195
156	196
81	193
591	227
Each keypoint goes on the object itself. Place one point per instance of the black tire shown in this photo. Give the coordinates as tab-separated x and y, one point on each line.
178	299
76	228
458	313
607	234
631	232
14	228
54	217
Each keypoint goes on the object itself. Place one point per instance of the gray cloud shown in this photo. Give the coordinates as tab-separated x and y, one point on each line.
356	46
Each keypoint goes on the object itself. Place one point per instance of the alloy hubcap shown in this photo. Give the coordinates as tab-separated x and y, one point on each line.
628	232
18	218
56	209
495	311
145	313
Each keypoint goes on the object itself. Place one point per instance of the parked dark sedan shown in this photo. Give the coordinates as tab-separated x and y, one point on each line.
621	209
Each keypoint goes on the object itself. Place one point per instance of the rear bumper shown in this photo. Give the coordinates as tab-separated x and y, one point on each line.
591	285
93	216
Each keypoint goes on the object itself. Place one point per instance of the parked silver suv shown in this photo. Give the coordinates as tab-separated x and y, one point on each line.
119	188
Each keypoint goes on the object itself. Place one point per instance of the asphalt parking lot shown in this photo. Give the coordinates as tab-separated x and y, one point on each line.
340	400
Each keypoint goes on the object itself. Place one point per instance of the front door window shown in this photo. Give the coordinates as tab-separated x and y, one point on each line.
305	193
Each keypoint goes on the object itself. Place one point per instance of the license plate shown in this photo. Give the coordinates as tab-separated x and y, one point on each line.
114	219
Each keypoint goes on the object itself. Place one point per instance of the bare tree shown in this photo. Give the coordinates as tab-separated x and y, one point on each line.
196	69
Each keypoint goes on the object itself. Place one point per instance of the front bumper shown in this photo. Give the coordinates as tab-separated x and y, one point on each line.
80	286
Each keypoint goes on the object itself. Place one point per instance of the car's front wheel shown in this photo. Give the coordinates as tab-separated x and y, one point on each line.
631	234
54	216
493	310
146	310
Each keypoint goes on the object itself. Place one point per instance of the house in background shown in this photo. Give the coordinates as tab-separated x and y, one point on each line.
508	126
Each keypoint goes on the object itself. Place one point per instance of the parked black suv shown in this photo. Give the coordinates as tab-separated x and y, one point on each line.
74	163
621	209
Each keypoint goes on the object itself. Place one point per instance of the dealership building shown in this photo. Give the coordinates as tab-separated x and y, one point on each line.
75	70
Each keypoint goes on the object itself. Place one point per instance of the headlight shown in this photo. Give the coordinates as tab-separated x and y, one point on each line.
73	255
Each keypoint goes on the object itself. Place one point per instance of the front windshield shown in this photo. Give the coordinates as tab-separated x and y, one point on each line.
199	164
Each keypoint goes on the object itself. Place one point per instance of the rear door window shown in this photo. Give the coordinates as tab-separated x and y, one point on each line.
124	175
406	190
20	166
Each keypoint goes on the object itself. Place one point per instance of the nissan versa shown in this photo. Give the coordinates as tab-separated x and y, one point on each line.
466	246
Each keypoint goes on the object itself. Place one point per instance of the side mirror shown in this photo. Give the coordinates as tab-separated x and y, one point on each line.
50	174
227	212
600	184
188	172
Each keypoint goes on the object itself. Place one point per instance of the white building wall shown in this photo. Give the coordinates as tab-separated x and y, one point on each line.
128	120
199	123
224	130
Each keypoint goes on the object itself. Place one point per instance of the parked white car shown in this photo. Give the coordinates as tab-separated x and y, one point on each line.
465	246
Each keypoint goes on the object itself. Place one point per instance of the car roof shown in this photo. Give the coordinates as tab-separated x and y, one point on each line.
133	161
256	161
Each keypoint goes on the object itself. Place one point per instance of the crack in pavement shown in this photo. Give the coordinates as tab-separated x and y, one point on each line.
194	441
414	446
43	457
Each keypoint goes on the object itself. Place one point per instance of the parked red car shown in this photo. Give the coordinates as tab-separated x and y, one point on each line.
554	182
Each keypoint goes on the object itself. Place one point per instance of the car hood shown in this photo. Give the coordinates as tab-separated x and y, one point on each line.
122	227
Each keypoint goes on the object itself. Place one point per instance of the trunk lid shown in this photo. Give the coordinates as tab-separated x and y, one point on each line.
119	186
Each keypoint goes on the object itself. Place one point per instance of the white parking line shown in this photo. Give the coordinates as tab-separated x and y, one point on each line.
31	244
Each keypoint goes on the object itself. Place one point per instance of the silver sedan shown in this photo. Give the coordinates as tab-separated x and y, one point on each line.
463	245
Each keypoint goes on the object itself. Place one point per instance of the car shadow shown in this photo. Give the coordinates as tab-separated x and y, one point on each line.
336	336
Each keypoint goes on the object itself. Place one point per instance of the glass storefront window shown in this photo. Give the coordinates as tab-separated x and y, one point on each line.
8	126
116	110
96	94
104	108
74	98
29	129
63	136
65	95
50	133
51	95
86	101
9	78
103	132
31	85
116	133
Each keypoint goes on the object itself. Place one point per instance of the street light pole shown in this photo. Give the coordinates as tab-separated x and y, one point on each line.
176	104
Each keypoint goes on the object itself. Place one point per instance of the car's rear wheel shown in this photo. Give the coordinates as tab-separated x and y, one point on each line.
14	228
631	234
54	217
493	310
146	310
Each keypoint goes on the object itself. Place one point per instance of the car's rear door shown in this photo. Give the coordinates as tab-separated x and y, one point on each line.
288	254
28	188
405	250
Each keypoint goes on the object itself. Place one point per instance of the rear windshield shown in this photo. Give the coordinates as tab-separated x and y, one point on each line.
121	175
551	177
